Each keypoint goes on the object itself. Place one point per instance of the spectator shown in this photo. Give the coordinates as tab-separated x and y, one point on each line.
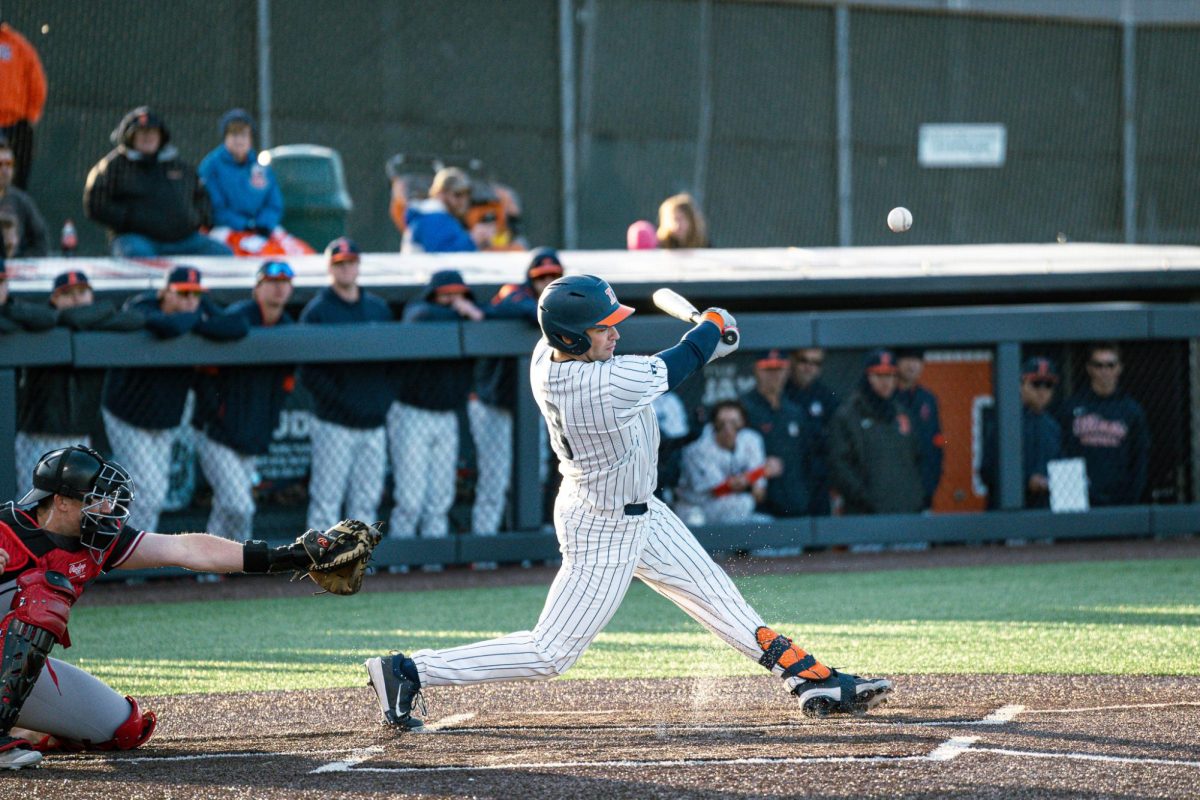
818	402
782	426
680	223
675	431
1041	436
422	424
56	406
435	224
17	315
1108	429
641	236
247	206
875	463
922	408
241	407
152	203
725	471
490	411
143	409
350	401
29	239
22	97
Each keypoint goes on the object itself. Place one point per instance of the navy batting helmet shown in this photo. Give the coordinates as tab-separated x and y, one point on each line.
571	305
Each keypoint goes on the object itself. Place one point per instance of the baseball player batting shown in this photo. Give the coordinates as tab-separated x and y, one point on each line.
610	527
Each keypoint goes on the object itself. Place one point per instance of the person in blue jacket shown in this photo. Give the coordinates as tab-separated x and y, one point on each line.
350	401
435	224
490	411
422	424
143	408
241	407
922	407
1041	436
1107	427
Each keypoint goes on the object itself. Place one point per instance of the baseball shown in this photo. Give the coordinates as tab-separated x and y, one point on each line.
899	219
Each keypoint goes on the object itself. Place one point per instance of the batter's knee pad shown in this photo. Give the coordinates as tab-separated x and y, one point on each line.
782	652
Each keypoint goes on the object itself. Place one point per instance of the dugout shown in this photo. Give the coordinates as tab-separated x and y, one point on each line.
987	307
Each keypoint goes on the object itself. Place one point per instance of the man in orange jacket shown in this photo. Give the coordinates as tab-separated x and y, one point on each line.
22	96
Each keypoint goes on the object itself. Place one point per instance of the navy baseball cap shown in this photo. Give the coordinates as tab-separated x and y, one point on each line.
341	249
1039	369
880	362
71	277
185	279
772	359
544	261
274	271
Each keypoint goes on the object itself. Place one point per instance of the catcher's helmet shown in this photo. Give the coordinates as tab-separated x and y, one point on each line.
69	471
571	305
104	488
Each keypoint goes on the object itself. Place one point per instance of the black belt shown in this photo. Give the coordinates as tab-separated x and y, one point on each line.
636	509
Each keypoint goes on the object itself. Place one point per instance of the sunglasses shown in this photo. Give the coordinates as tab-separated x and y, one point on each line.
1103	364
188	293
1042	384
276	269
6	162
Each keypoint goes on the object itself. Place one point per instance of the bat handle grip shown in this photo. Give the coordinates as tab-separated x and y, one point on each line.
729	337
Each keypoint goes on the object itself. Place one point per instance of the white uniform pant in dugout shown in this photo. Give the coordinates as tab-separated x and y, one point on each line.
601	556
231	476
424	449
347	473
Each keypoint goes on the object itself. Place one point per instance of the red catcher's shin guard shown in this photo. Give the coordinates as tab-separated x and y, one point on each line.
130	734
779	651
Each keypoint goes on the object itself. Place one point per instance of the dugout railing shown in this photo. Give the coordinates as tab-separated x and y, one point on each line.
1002	330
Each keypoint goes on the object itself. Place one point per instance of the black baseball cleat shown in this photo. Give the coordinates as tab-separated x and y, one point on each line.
17	754
841	693
397	693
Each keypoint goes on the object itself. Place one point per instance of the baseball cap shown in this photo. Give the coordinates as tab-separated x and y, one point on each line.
445	281
235	115
880	362
772	359
71	277
544	261
274	271
185	279
1042	368
342	248
910	352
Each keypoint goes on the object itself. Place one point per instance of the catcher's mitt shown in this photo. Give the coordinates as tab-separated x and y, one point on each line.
340	555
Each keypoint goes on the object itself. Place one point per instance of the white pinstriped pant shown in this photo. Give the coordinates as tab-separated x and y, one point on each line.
347	468
231	476
146	454
424	449
492	429
601	556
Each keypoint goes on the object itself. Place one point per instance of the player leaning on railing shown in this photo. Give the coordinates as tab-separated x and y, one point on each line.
65	532
610	527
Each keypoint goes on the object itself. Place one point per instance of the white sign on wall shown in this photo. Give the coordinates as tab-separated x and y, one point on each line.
961	144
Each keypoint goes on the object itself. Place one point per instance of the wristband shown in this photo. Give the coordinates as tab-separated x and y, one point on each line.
715	319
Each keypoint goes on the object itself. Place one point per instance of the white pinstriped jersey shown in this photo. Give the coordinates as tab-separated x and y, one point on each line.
602	424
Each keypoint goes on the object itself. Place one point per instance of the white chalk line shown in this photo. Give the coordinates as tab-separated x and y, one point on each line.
355	757
1170	762
195	757
1134	707
447	722
682	762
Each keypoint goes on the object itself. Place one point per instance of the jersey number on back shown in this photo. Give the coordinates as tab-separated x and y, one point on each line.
556	423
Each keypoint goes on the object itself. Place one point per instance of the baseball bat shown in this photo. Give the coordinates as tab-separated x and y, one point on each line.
679	307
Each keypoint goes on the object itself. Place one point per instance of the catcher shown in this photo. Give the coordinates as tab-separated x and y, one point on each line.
64	533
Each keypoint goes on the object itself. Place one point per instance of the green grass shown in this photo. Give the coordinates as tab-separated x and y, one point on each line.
1082	618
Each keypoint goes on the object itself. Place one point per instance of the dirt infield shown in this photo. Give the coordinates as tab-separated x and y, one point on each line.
940	736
